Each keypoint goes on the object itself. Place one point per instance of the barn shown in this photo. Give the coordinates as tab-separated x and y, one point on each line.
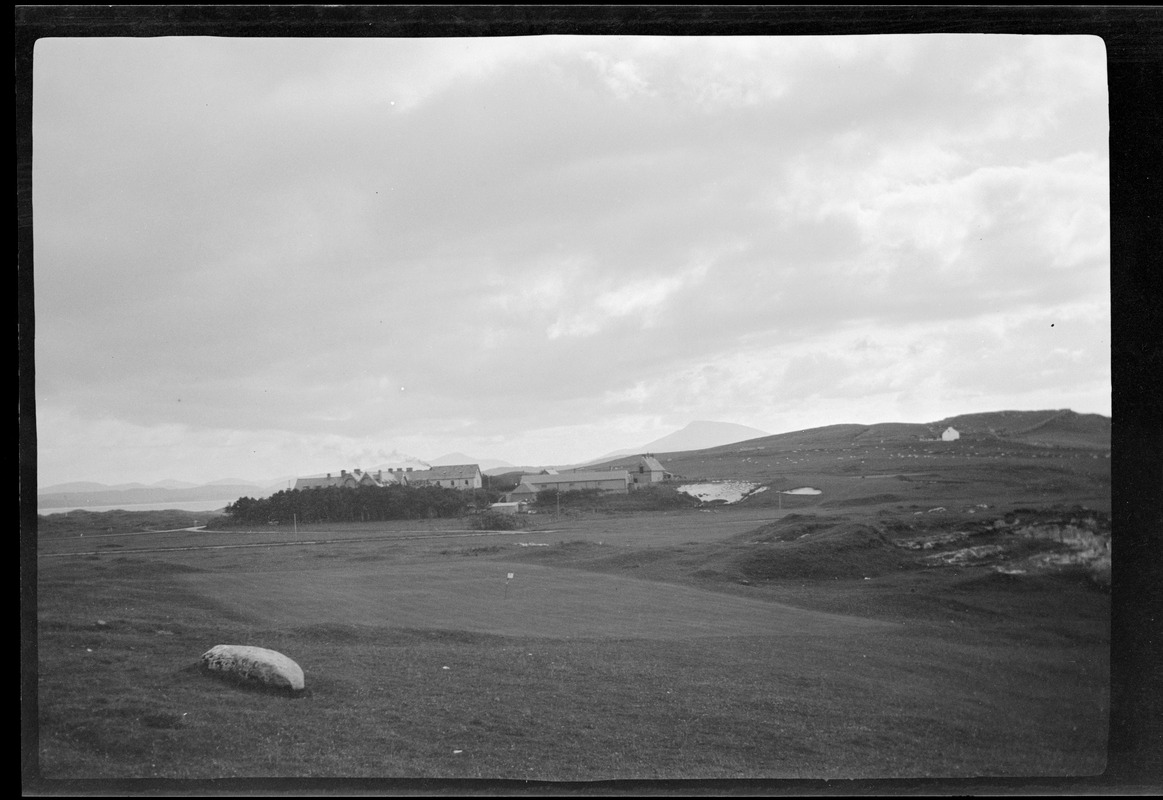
648	470
614	481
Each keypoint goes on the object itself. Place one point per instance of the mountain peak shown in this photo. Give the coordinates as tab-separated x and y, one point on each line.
701	434
696	435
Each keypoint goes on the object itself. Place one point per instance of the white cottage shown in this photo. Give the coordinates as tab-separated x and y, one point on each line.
951	434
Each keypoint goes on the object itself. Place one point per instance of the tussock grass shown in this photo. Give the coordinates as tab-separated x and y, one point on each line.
75	523
496	521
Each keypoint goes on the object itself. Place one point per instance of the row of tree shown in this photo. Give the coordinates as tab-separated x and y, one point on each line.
381	503
362	504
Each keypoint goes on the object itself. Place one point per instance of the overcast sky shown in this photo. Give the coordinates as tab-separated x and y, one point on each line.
260	257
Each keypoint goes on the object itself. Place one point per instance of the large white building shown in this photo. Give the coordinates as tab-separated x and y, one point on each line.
457	476
460	476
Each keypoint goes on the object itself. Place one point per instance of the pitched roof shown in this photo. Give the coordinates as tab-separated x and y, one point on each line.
454	471
577	477
653	464
317	481
342	478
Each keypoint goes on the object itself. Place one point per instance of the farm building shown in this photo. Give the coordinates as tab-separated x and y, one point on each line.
524	493
609	481
648	470
458	476
508	508
951	434
346	480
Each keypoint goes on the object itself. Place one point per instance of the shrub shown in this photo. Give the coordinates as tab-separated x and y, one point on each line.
496	521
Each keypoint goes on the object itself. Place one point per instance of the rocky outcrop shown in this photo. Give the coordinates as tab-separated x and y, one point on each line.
254	665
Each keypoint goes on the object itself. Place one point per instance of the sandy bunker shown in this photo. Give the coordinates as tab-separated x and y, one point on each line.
538	601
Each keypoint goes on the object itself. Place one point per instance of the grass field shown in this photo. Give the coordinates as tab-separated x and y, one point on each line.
935	612
659	646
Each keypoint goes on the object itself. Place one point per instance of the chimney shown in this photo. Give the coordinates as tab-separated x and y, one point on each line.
409	469
328	474
342	473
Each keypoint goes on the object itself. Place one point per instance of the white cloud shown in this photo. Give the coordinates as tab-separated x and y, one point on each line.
622	76
643	298
554	242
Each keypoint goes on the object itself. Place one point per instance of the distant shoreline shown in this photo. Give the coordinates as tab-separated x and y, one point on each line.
190	505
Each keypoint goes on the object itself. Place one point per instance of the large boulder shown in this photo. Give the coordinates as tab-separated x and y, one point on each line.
255	665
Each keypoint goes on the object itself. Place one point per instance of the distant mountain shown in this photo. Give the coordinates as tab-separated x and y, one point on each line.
76	486
172	484
486	464
697	435
494	471
701	435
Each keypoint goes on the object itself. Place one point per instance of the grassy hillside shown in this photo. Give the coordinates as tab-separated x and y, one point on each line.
1040	459
1063	428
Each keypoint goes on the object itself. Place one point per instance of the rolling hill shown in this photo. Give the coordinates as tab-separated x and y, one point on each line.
1015	458
698	435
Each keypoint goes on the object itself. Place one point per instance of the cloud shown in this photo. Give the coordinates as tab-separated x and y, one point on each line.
643	299
563	239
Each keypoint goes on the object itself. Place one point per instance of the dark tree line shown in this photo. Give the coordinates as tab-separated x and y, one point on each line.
657	497
362	504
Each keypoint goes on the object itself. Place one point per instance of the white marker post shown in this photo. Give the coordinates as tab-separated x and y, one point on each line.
507	585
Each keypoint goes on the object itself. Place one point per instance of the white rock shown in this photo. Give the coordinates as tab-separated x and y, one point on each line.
256	664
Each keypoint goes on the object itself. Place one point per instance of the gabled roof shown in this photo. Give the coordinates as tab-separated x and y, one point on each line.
381	479
653	464
454	471
318	481
577	477
358	477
